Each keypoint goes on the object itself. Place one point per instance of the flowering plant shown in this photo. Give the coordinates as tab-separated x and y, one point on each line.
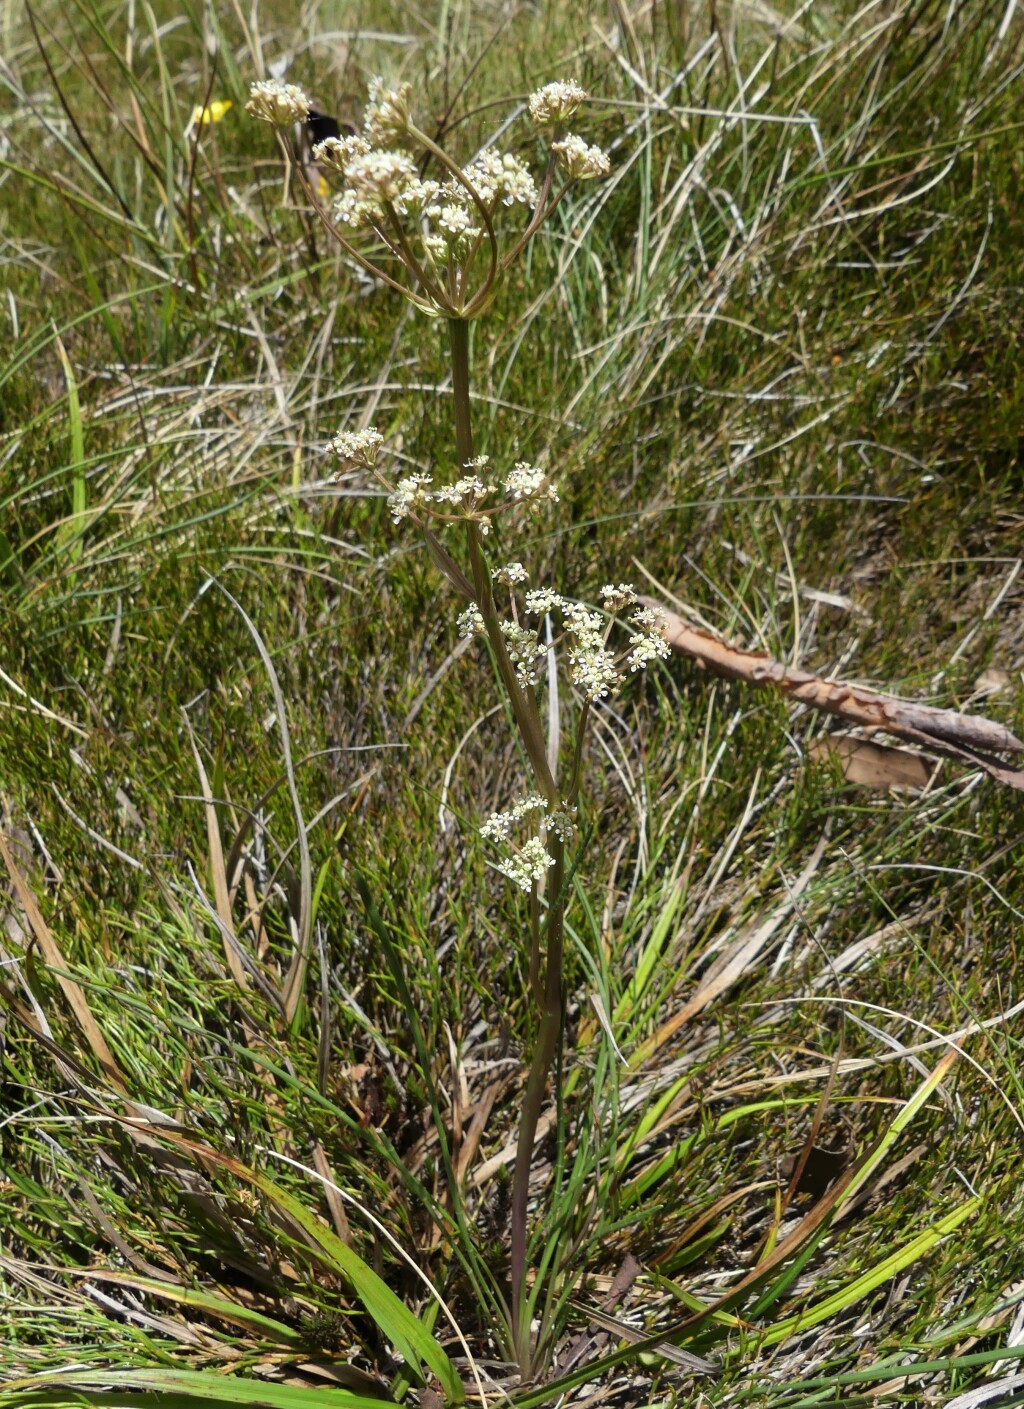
444	245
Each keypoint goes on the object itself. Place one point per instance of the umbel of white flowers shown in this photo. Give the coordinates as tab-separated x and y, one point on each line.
449	238
593	667
447	235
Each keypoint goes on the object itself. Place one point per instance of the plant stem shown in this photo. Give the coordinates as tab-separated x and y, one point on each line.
458	341
546	988
526	718
544	1053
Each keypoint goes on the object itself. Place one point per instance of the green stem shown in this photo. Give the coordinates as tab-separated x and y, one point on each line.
547	988
526	718
458	341
544	1052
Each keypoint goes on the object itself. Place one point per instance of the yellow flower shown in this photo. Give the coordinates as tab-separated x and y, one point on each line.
203	116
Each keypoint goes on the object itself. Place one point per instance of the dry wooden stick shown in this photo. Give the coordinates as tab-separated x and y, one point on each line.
965	736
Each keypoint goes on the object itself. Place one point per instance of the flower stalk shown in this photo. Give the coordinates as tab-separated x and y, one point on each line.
446	250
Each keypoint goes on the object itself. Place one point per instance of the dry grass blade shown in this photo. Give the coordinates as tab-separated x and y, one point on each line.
221	889
833	1201
55	959
295	979
736	960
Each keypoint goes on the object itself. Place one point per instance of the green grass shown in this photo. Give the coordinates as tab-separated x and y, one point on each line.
797	361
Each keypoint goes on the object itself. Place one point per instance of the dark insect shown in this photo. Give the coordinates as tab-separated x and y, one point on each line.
321	126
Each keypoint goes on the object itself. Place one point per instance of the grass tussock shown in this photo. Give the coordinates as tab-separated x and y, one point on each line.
773	363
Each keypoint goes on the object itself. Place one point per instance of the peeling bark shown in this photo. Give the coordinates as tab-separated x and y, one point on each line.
964	736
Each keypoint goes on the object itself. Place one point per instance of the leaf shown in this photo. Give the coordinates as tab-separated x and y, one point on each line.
70	532
187	1387
58	964
234	1312
389	1313
875	765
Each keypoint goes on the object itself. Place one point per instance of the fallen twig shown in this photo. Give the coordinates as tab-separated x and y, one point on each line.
965	736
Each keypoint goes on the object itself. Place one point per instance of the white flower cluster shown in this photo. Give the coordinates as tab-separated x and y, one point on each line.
463	499
528	863
358	447
377	182
525	651
455	210
471	623
527	866
511	575
591	665
278	103
646	648
545	599
580	162
465	493
616	599
387	112
501	179
335	153
382	183
410	495
529	482
498	826
436	228
555	102
648	642
413	494
551	106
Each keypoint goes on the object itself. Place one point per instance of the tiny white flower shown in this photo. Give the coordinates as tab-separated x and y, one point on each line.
358	446
529	864
436	247
510	574
410	494
646	648
467	489
456	223
387	112
594	671
278	103
579	161
586	626
384	176
498	826
561	824
500	180
649	642
544	599
471	623
337	152
532	802
529	482
615	599
524	651
353	209
555	102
